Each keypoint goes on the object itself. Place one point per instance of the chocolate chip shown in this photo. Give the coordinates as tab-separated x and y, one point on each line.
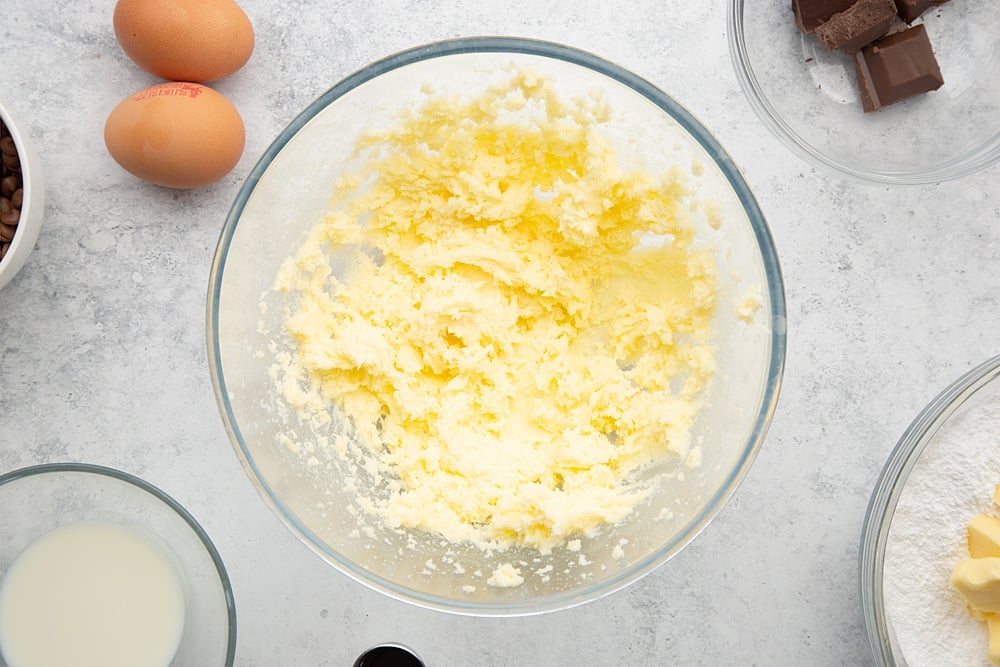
11	191
8	184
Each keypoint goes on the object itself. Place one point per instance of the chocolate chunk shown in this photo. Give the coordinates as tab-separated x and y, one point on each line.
896	67
810	14
909	10
861	24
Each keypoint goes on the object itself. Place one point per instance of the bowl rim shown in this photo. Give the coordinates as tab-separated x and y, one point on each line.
982	157
128	478
885	496
774	287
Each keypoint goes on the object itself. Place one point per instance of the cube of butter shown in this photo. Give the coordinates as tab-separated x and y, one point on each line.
976	614
978	580
993	625
984	536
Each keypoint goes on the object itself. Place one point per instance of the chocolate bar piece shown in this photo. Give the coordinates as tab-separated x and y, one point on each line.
864	22
810	14
896	67
909	10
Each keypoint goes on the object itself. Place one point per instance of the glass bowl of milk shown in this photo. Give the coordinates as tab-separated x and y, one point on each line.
101	569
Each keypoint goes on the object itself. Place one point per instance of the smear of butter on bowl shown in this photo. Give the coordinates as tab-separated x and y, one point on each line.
505	576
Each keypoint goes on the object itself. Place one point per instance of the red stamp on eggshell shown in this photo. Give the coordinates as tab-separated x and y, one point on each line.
174	89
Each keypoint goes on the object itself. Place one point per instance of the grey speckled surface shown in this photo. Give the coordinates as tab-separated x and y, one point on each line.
892	293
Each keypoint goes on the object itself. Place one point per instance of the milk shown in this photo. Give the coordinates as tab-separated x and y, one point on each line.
91	594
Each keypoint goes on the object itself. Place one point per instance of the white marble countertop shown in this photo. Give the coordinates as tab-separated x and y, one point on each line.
892	293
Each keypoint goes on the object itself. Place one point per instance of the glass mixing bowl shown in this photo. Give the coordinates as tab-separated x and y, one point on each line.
807	96
40	499
290	189
930	470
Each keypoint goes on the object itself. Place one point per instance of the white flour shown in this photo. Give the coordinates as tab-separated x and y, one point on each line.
953	482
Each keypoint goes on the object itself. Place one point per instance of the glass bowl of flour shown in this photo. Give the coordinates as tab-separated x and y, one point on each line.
496	327
942	473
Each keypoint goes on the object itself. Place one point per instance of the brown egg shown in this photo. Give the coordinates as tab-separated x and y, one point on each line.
185	40
181	135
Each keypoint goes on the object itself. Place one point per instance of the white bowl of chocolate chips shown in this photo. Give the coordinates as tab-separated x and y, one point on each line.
22	194
891	91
